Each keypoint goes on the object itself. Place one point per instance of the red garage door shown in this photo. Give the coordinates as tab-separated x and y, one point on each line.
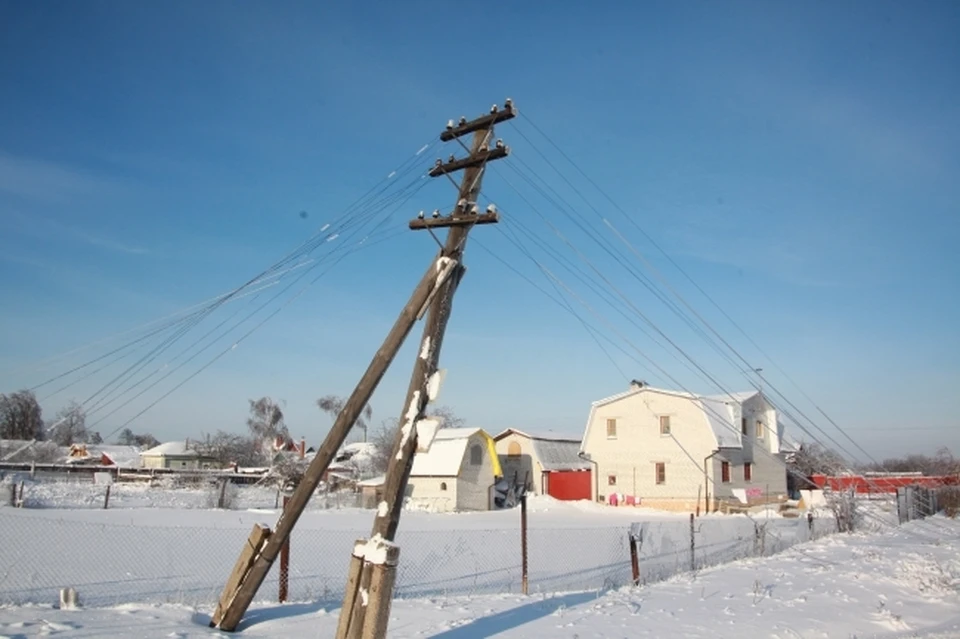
569	485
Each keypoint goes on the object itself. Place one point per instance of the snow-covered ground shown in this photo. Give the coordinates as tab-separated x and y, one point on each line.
904	582
182	553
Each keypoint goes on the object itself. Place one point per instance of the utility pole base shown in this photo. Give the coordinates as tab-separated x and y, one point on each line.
369	594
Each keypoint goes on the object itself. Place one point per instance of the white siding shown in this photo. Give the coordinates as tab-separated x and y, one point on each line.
638	446
429	493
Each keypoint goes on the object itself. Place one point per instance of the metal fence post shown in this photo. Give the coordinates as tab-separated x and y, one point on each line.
284	564
523	541
693	546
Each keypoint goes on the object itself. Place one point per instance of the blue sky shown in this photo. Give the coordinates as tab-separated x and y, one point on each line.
799	162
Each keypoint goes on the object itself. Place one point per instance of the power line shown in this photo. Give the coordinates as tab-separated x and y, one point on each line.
692	281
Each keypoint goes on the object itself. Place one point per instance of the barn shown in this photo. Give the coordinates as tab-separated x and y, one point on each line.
549	463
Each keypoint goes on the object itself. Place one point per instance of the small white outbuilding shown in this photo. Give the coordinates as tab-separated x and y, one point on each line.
457	473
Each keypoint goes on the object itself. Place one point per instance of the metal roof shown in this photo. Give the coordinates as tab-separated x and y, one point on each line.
559	454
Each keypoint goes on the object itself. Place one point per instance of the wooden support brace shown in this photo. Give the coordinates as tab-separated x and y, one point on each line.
454	220
256	540
473	160
434	278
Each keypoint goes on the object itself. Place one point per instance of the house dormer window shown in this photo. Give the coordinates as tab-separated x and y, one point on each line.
476	455
761	430
743	425
611	428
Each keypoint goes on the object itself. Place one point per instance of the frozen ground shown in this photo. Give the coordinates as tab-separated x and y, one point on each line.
901	583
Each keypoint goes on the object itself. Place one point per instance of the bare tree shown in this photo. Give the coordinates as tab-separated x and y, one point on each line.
70	425
95	438
128	438
266	420
941	463
385	437
811	458
20	416
231	448
332	405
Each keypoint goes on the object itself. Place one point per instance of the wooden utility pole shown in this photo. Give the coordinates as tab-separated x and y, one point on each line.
355	621
241	589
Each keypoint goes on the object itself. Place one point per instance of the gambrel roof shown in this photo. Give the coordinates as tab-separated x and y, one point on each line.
719	411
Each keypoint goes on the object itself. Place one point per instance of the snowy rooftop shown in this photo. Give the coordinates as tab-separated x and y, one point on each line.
171	449
720	417
445	454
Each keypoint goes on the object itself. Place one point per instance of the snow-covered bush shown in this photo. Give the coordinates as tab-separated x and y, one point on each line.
846	509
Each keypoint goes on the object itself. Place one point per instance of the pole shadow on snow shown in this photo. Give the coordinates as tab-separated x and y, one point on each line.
255	615
515	617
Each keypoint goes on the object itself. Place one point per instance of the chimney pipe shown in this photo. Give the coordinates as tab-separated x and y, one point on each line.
303	447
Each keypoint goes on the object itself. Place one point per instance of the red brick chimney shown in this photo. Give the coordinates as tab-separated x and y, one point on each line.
303	447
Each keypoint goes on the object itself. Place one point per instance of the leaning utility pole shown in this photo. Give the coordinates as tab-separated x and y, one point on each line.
366	605
434	292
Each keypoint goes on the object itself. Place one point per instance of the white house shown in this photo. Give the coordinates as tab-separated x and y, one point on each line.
457	473
677	451
551	464
176	456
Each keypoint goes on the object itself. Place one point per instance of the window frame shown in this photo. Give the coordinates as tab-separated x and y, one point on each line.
611	421
760	430
660	473
724	472
478	449
611	479
747	471
668	431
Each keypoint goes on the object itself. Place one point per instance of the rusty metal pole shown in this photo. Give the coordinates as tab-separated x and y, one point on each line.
284	563
523	542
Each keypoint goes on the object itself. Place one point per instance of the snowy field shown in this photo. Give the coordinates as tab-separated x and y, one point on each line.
904	582
166	546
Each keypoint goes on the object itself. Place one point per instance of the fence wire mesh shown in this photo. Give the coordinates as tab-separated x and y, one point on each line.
156	559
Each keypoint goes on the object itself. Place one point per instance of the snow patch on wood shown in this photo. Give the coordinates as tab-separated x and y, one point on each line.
433	385
426	430
373	551
412	411
425	348
383	508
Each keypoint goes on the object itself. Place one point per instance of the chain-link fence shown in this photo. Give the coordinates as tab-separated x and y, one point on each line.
667	548
153	557
920	502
